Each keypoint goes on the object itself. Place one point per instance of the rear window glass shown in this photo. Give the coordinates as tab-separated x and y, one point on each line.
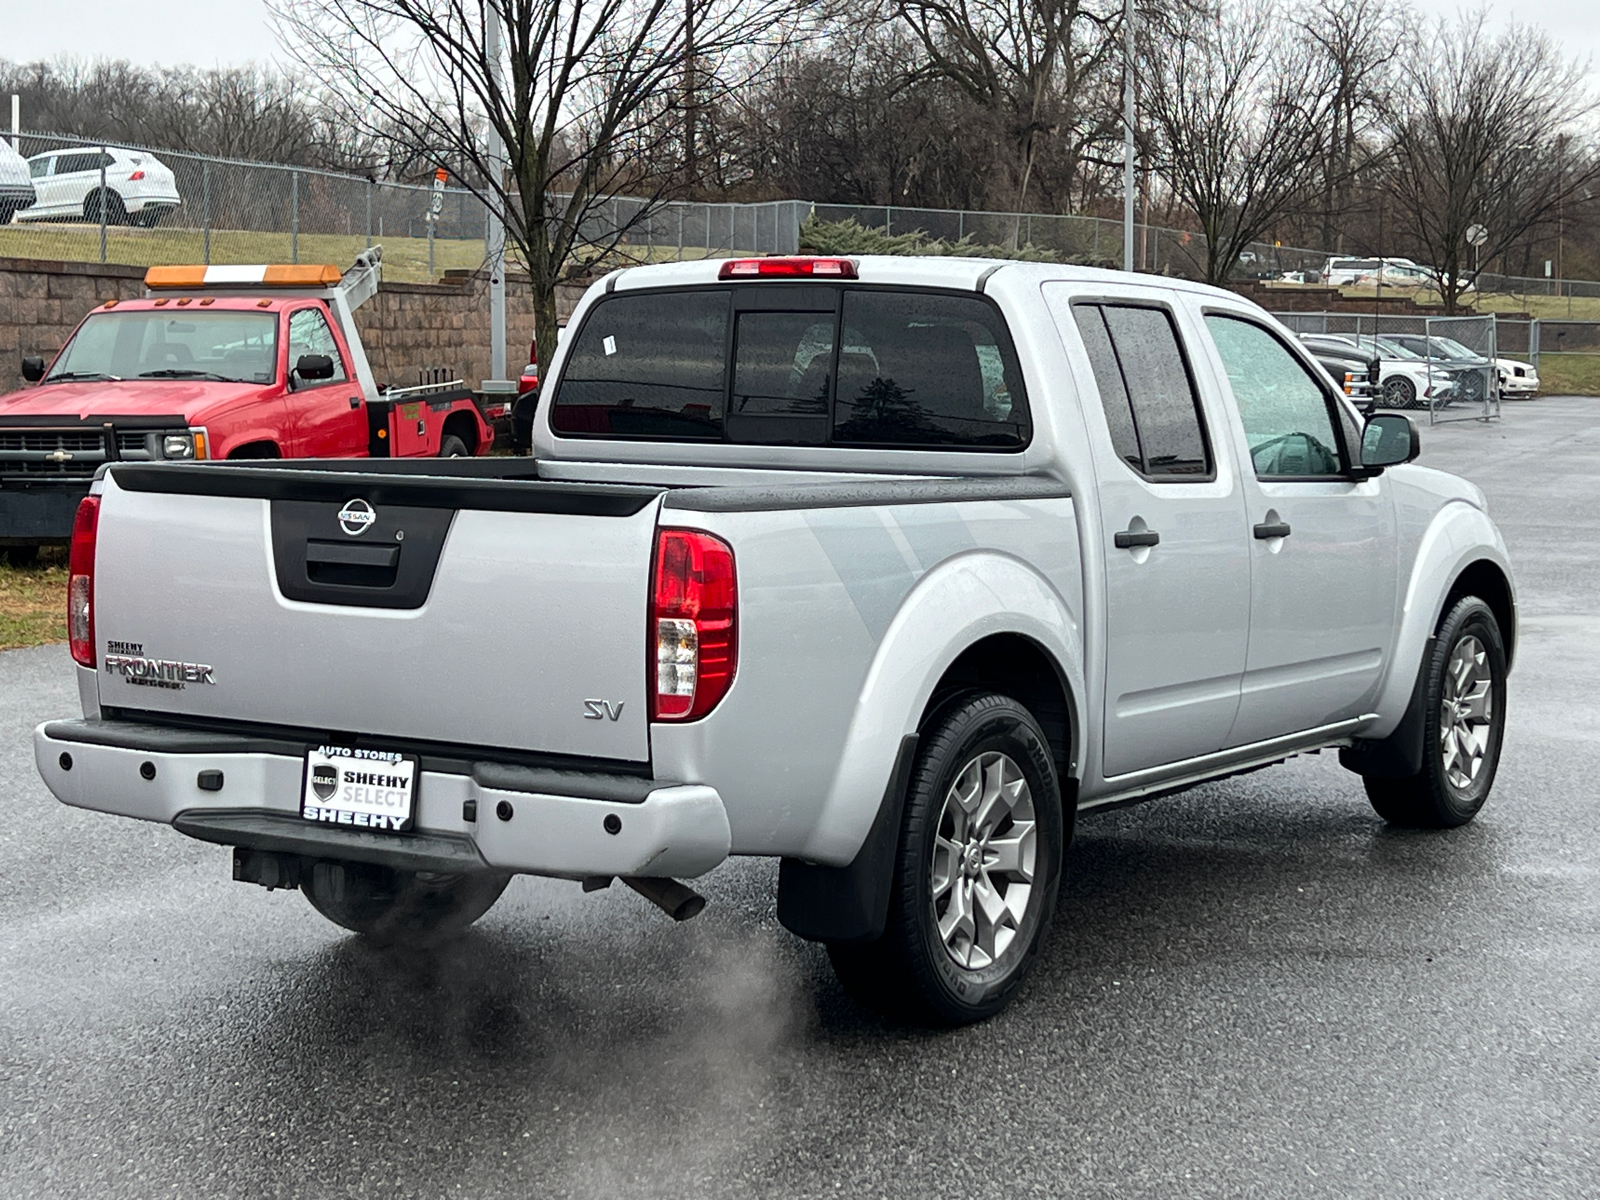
927	369
882	368
647	366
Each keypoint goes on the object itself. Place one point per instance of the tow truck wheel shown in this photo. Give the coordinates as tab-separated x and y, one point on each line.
450	446
22	556
1464	720
976	873
400	908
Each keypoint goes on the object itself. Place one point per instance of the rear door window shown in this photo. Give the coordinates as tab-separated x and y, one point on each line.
1149	398
648	366
927	369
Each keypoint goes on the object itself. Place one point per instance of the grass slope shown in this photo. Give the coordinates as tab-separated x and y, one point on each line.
33	601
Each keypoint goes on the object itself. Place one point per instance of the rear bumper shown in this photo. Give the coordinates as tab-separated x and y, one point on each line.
528	821
39	512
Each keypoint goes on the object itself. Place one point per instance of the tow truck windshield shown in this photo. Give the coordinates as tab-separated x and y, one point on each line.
228	347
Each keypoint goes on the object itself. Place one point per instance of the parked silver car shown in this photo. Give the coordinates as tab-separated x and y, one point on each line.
883	567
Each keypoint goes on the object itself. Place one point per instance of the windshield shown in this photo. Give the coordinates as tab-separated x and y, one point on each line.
1450	348
234	347
1384	348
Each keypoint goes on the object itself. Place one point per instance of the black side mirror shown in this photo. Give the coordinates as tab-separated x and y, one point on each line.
33	368
1388	440
314	366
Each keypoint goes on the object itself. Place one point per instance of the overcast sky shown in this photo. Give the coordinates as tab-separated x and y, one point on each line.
232	32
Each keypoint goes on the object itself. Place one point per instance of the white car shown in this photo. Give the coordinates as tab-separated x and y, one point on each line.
1518	380
138	189
1405	380
16	189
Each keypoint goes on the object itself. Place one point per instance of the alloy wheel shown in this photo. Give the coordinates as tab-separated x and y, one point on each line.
1466	712
984	858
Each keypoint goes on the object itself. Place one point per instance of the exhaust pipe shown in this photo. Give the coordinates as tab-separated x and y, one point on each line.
677	901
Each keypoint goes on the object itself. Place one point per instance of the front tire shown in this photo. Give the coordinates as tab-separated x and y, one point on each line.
400	908
976	874
1464	715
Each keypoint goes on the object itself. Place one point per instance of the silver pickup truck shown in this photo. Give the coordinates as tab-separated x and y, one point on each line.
885	567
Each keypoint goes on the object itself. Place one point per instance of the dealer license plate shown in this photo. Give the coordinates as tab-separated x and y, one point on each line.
364	789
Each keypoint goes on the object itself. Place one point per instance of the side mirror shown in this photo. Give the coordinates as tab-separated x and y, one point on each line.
1388	440
314	366
33	368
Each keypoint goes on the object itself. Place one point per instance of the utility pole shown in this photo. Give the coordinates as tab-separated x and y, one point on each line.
495	249
16	122
1127	135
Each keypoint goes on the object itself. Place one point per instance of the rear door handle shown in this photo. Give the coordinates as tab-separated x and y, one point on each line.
1272	529
1127	539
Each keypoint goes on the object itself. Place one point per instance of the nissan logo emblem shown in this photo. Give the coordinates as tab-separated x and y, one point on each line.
356	516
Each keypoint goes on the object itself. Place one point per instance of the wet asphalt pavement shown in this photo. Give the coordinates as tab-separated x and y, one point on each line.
1253	989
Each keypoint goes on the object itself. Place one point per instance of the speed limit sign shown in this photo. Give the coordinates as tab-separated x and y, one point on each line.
436	205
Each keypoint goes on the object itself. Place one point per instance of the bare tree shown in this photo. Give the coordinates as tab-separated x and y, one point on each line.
584	96
1361	41
1030	62
1484	131
1239	111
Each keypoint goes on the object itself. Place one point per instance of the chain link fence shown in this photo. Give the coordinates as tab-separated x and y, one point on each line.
1567	355
185	208
1448	366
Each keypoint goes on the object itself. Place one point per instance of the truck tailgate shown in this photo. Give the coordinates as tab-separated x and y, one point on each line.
534	605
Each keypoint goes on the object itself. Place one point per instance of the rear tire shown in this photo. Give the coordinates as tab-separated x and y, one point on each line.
1464	716
1399	392
400	908
976	873
450	446
116	213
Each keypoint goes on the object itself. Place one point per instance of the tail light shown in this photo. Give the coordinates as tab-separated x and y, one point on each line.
788	267
693	629
137	175
80	582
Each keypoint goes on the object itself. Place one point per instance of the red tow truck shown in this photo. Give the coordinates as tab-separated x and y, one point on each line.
216	362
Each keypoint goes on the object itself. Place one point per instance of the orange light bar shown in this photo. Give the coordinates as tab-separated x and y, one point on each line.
175	277
273	275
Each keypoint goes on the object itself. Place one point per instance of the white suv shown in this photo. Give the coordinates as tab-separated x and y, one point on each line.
138	190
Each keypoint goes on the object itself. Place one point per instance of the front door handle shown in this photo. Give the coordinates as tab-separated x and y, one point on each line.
355	401
1271	529
1128	539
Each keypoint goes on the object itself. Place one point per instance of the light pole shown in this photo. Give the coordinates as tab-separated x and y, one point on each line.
1127	135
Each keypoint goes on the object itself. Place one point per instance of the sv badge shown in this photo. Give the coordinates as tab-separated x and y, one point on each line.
599	710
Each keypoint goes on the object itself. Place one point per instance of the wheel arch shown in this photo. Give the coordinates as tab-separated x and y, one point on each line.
462	424
837	889
1486	580
259	448
1459	553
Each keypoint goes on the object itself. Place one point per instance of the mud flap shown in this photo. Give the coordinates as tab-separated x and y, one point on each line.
850	904
1398	756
